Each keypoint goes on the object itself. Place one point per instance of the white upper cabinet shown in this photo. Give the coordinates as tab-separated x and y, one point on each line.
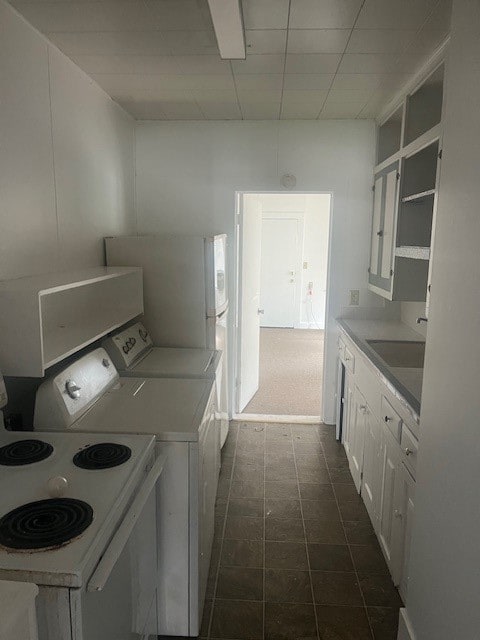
46	318
405	190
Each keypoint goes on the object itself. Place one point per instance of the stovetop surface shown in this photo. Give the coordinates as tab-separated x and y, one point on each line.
106	491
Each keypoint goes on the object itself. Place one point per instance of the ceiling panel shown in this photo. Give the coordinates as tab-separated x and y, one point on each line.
299	111
260	110
127	64
259	64
110	43
312	63
265	14
324	14
379	40
342	110
367	62
265	41
306	59
394	14
220	110
317	40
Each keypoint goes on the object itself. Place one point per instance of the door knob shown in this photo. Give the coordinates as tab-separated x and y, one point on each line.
260	312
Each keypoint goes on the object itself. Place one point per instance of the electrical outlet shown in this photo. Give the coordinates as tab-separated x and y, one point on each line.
305	265
354	297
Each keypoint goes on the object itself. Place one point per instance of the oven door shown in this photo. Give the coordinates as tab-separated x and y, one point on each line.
120	601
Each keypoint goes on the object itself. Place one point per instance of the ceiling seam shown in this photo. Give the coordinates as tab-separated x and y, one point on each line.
280	110
236	90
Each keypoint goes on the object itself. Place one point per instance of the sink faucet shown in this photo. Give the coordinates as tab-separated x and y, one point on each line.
421	319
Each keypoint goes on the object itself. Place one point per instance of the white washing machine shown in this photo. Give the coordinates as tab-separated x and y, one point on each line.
133	353
90	396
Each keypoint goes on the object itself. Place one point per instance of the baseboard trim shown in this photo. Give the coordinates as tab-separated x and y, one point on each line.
405	631
259	417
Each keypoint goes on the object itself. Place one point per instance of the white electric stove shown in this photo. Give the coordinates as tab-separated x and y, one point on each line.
89	396
78	519
133	353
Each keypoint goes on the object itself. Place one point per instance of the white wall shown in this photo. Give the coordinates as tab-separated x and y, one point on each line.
313	214
443	597
187	174
66	158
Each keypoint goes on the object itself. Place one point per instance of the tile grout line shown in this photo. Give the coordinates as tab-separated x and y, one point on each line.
217	572
305	538
349	547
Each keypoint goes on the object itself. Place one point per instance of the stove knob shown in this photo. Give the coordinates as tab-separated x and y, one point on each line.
57	486
72	389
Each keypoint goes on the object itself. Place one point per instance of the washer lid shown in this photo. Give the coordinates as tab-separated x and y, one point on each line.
169	408
178	363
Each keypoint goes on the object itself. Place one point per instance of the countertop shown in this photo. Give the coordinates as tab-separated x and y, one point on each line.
407	382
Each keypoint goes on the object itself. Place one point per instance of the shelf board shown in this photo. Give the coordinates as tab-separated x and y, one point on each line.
416	253
419	196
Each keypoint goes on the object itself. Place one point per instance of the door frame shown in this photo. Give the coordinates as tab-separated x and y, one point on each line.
236	291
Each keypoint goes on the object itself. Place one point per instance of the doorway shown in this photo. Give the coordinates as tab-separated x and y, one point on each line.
282	274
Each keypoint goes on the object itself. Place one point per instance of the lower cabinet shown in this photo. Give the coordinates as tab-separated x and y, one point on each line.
390	462
380	471
404	507
372	468
357	439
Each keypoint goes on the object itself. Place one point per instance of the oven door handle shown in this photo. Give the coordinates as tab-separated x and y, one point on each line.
109	559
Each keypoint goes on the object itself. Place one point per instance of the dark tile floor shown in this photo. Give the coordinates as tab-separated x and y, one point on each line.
295	556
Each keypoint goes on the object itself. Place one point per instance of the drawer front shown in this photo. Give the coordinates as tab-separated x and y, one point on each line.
349	360
409	445
391	419
341	350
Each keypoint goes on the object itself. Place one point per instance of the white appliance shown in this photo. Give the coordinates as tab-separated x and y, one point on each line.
18	617
185	292
133	354
89	396
85	535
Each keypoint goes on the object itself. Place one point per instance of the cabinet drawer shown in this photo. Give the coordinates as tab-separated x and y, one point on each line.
391	419
341	350
349	360
409	445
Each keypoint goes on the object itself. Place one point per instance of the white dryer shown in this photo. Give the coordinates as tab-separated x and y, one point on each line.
90	396
133	353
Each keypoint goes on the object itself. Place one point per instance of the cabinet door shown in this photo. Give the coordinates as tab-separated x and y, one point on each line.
385	205
404	506
390	460
349	415
371	481
358	438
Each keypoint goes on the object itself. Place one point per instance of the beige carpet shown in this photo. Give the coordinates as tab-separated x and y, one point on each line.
291	369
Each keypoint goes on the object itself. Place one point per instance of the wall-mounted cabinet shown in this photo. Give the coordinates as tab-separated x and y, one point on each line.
46	318
405	191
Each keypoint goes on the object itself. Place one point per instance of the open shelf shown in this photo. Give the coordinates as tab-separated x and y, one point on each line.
415	253
424	106
49	317
415	197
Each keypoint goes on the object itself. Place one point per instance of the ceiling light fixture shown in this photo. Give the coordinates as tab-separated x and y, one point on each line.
228	24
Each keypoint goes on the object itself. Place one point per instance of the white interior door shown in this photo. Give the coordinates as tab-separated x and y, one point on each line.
278	271
249	300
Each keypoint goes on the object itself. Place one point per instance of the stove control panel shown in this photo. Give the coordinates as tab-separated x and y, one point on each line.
127	346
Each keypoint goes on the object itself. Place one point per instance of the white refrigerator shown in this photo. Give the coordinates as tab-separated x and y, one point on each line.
185	293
